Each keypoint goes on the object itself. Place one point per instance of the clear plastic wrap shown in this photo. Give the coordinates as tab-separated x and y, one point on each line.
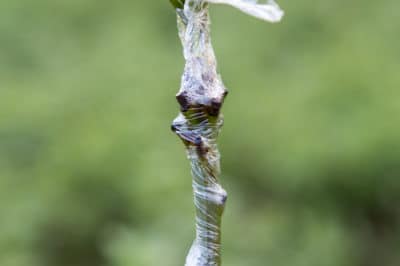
269	11
201	97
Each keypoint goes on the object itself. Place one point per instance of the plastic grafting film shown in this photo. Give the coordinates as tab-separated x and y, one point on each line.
268	11
201	96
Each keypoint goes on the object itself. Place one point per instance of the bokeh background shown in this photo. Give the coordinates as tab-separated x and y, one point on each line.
90	174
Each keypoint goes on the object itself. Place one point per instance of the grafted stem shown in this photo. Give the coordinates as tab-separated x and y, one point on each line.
201	97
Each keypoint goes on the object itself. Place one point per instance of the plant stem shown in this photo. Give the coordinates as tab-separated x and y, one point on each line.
201	97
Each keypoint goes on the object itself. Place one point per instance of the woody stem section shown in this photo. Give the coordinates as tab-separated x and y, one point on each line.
201	97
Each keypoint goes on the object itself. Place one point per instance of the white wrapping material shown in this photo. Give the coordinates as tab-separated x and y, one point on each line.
269	11
201	96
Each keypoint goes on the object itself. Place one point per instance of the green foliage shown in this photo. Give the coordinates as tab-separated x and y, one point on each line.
90	174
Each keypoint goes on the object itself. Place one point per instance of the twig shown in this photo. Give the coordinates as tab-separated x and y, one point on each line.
201	97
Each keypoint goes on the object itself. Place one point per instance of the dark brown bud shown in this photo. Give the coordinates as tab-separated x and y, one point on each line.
183	101
173	128
215	107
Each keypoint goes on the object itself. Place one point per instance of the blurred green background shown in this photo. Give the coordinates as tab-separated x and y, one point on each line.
90	174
